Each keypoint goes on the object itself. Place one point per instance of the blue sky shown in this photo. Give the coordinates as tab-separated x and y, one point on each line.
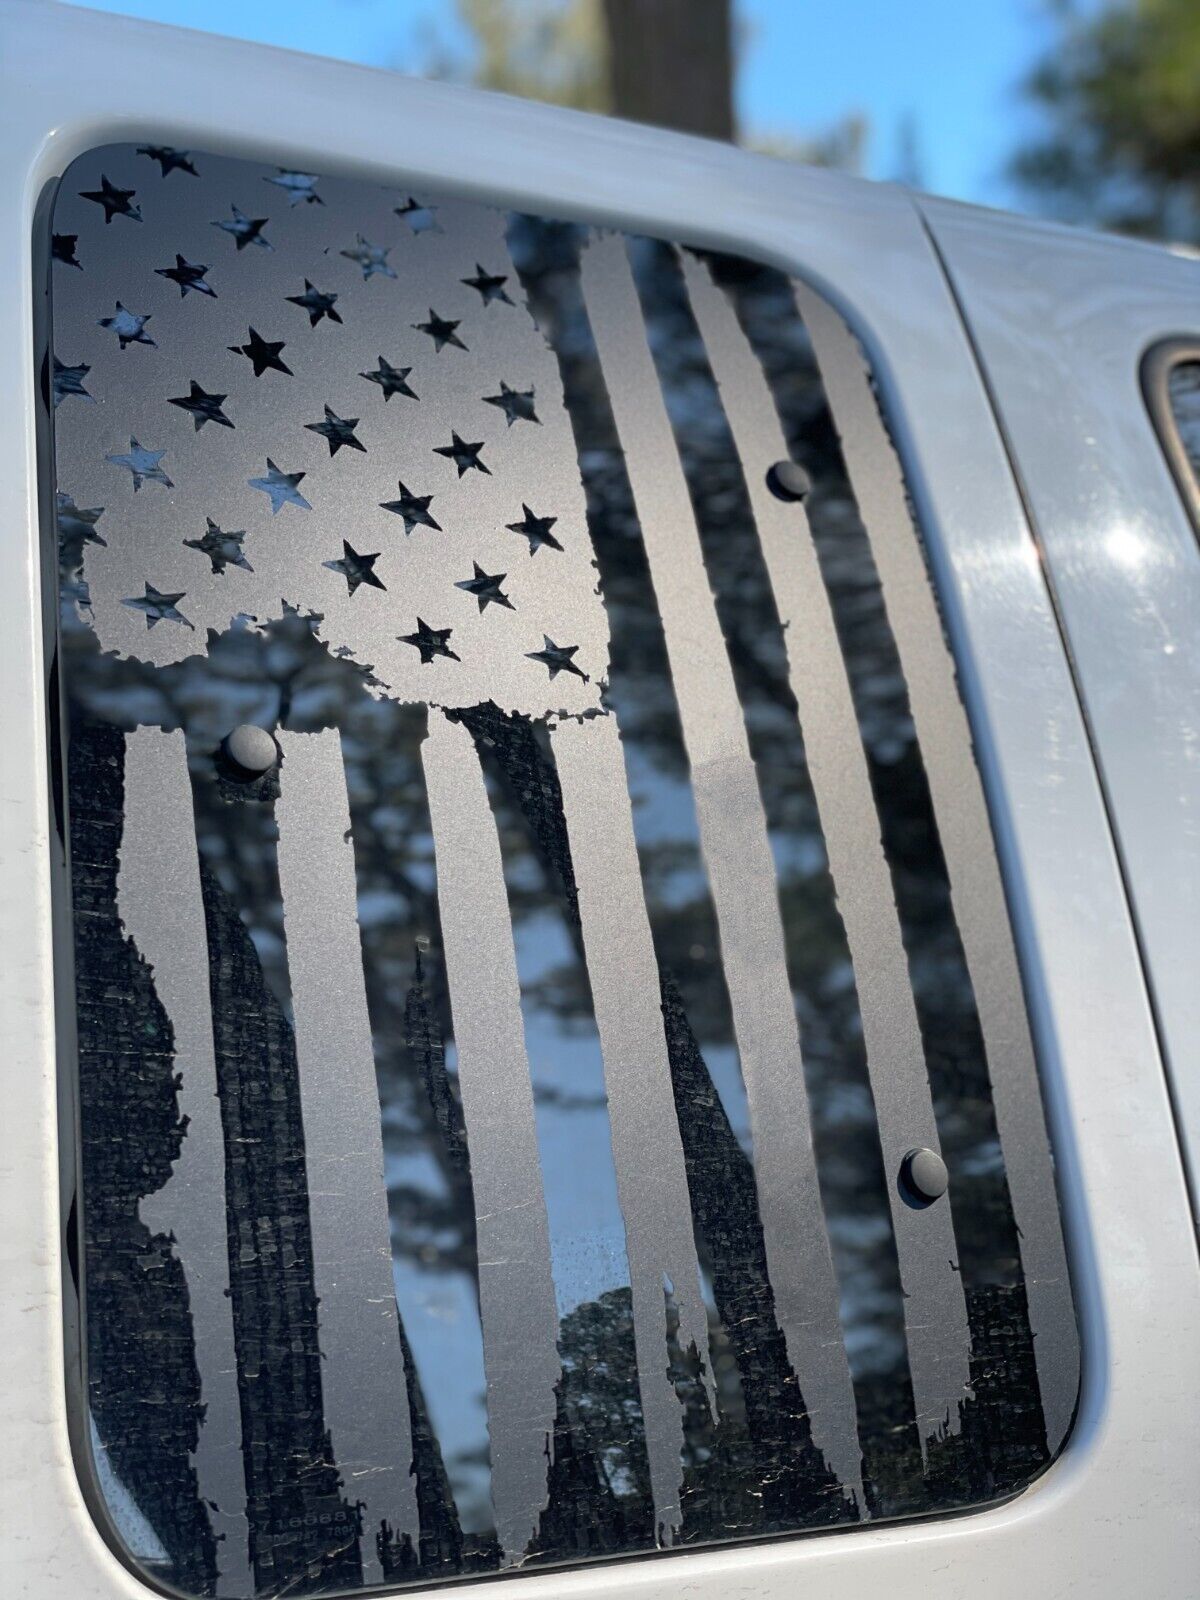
953	70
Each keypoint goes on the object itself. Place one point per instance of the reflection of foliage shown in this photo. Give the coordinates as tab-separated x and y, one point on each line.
642	695
302	1526
599	1500
852	1181
1120	90
751	1468
143	1384
758	1461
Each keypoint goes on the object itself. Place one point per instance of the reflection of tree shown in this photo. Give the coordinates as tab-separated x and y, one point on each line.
143	1384
777	1479
769	1465
257	675
752	1468
852	1180
301	1527
641	693
599	1481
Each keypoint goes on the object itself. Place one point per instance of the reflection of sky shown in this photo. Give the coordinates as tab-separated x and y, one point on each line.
439	1304
661	801
441	1319
440	1312
587	1234
665	816
130	1521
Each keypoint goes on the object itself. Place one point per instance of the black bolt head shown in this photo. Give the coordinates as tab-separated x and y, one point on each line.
924	1176
787	480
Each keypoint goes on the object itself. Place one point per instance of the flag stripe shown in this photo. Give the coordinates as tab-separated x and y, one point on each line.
358	1330
159	903
516	1285
647	1147
976	889
736	850
935	1310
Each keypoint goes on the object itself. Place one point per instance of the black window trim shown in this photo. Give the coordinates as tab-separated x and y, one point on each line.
1158	363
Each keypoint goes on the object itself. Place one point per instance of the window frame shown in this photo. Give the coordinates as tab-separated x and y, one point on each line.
1158	365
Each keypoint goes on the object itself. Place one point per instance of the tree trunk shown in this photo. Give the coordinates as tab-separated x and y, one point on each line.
671	63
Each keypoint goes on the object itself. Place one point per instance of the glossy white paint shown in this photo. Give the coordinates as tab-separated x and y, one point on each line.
1117	1514
1059	313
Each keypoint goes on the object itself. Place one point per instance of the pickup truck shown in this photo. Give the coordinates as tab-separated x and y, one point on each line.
599	859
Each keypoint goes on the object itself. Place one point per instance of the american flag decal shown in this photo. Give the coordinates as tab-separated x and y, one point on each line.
494	1114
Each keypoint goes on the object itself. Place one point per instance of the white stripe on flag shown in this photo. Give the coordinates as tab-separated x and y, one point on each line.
935	1311
517	1303
160	905
363	1380
735	846
647	1149
976	888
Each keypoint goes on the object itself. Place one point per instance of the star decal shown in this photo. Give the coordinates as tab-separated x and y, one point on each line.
440	331
263	353
414	508
281	488
62	248
115	201
419	217
69	380
489	286
188	275
74	522
557	658
372	258
516	404
392	380
203	407
338	431
485	586
158	607
245	230
143	464
222	549
128	327
298	186
356	569
464	456
170	160
429	641
316	303
536	530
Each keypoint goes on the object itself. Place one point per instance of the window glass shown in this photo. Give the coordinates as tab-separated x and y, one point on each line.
1183	387
552	1074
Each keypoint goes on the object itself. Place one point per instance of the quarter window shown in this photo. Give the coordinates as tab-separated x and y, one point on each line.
1184	389
552	1075
1171	384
